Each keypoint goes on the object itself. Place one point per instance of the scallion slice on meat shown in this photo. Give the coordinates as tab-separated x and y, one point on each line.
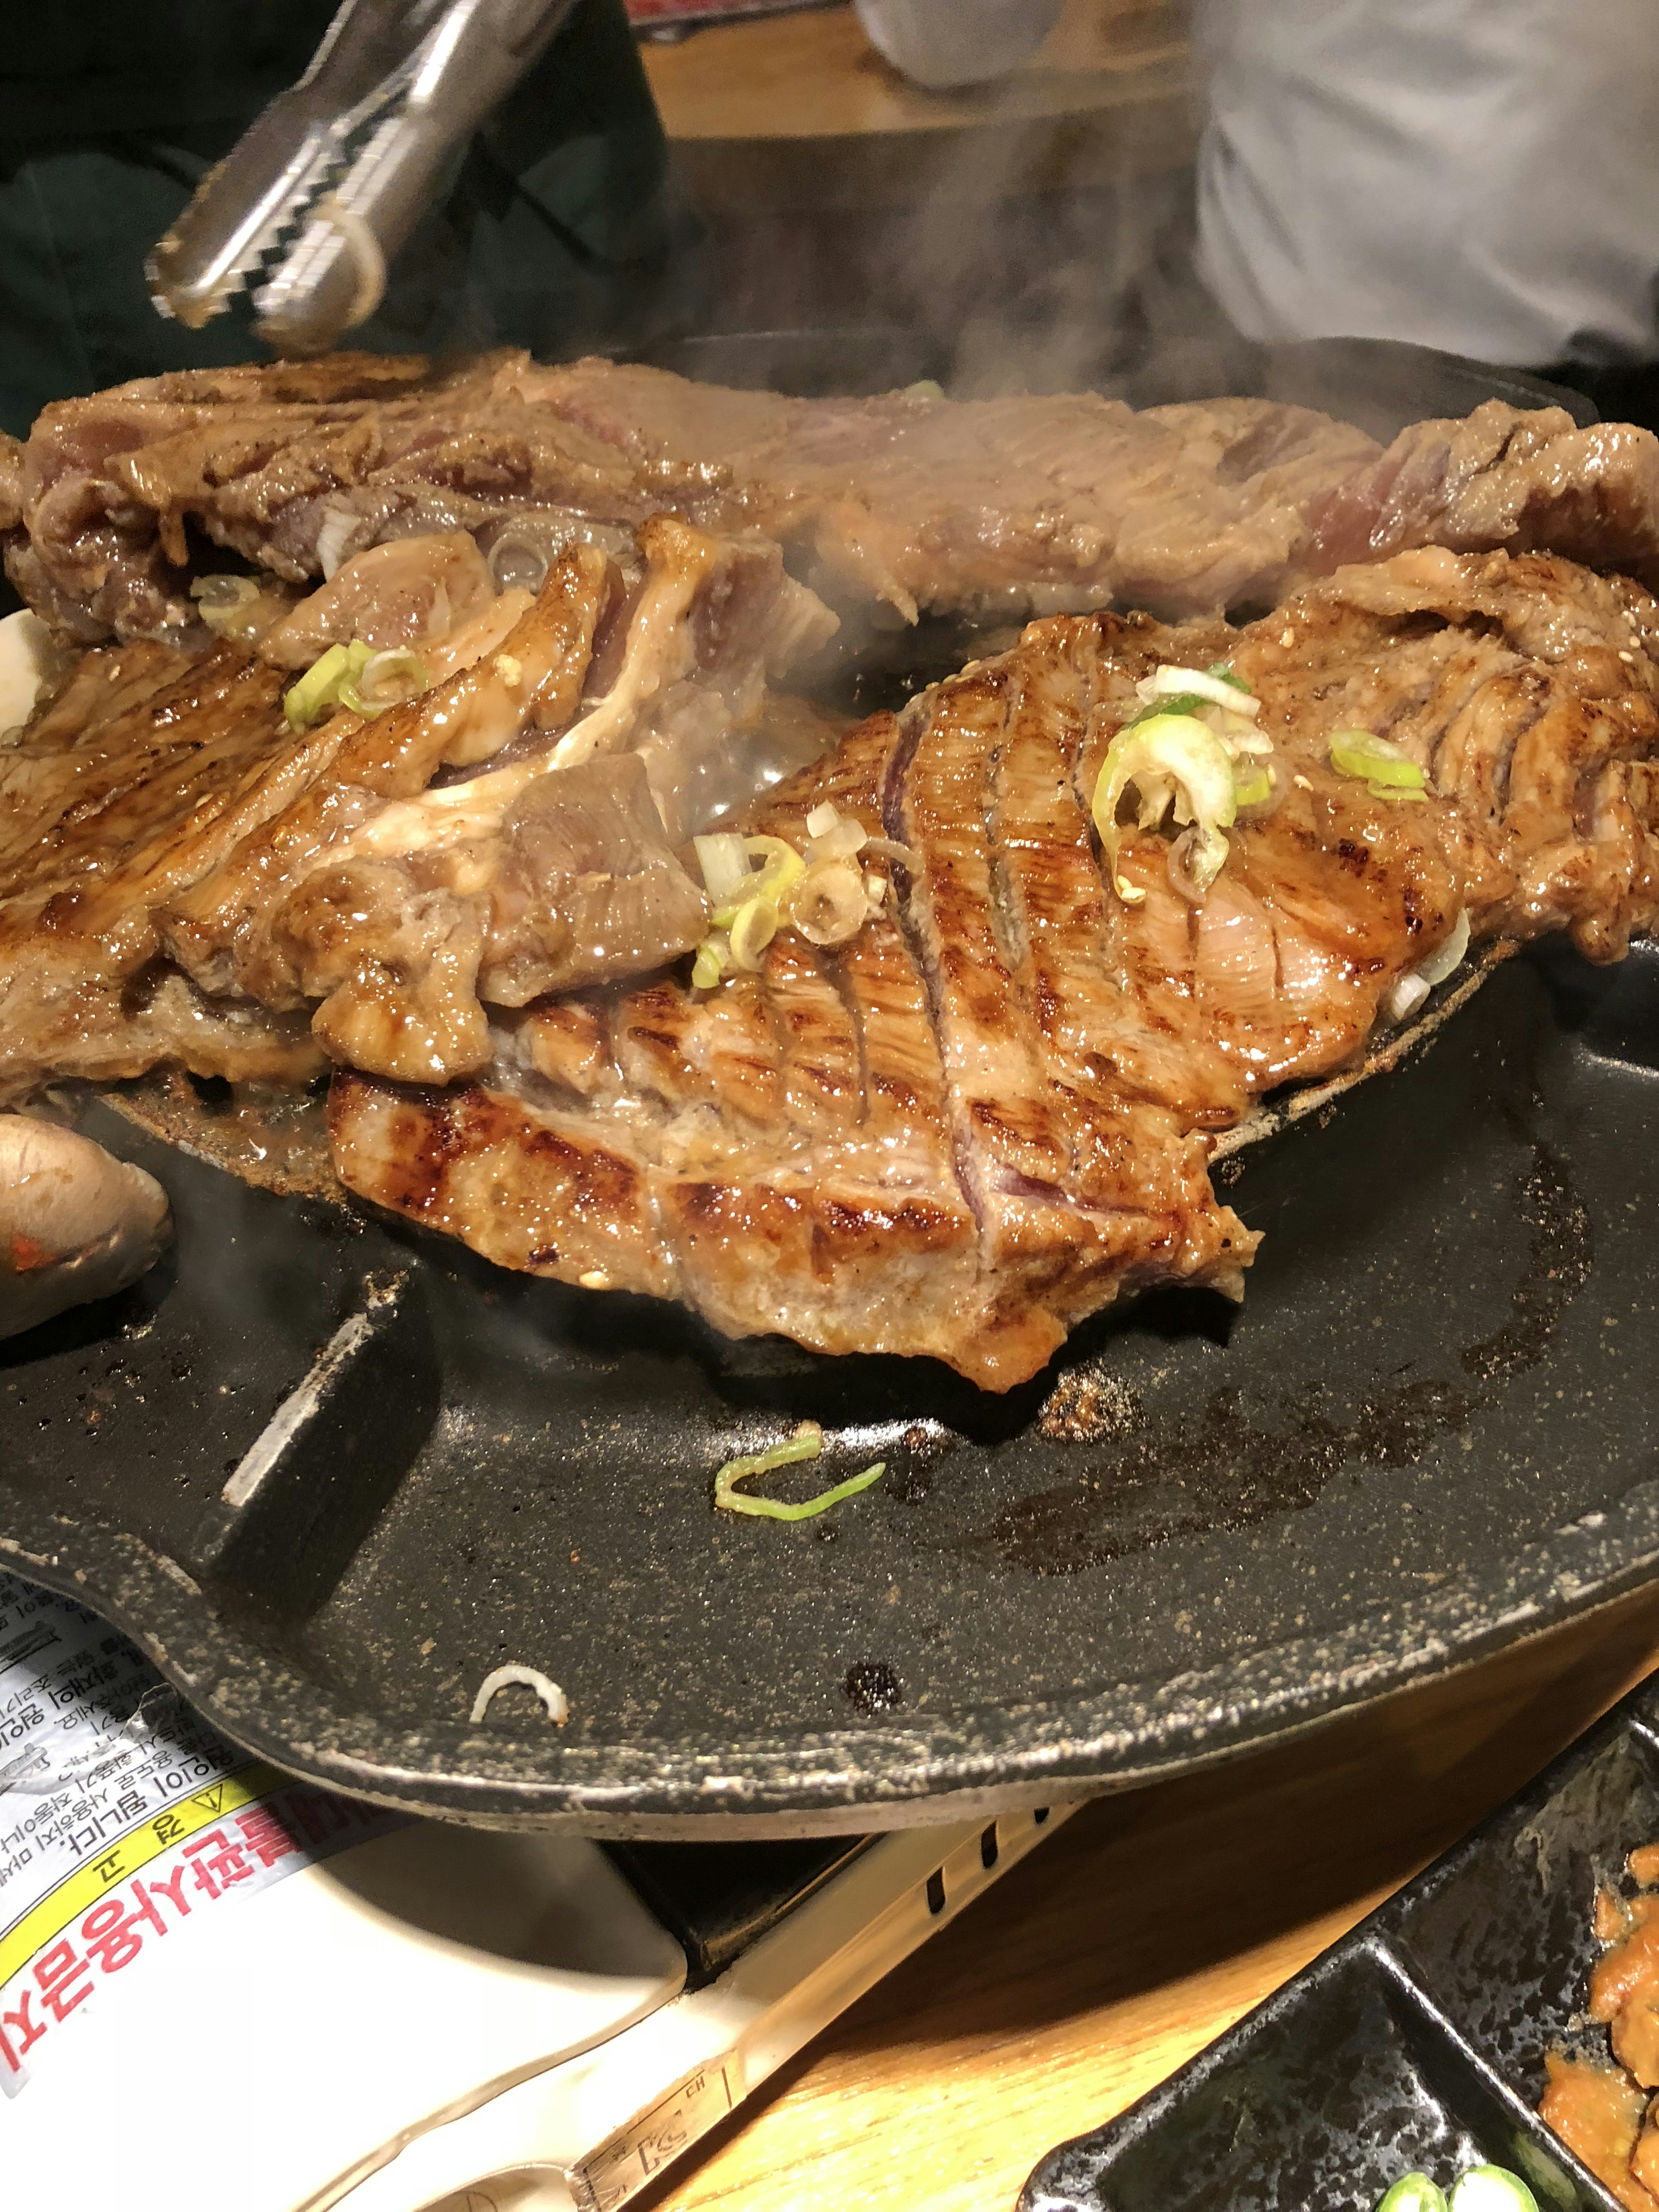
1177	702
753	927
318	690
1410	993
1217	688
226	603
385	680
1386	772
1491	2188
822	896
1442	961
725	864
1172	761
806	1443
1414	2192
1253	785
781	867
714	955
829	904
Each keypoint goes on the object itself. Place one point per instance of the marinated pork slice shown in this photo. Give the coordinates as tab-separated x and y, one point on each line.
990	1112
187	876
405	905
998	507
94	836
103	832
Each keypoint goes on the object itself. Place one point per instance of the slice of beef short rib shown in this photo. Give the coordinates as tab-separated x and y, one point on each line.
996	507
991	1112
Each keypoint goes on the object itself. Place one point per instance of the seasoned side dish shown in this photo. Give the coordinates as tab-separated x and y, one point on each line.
1604	2111
920	1040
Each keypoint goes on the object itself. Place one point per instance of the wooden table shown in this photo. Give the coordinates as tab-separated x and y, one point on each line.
832	192
1148	1925
1109	87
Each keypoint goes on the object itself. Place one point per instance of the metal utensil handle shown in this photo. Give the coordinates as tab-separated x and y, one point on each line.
333	276
363	136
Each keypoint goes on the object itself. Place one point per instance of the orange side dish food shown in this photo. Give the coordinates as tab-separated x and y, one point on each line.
1602	2111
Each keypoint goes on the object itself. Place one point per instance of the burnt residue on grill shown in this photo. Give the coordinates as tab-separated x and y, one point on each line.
1232	1468
274	1137
1558	1264
872	1686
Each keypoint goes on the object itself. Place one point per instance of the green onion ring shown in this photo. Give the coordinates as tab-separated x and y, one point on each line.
1384	768
806	1443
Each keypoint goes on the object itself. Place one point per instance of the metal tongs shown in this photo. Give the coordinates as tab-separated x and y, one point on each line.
316	197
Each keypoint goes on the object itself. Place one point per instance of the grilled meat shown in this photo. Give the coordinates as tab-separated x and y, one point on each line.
998	507
990	1112
182	878
95	835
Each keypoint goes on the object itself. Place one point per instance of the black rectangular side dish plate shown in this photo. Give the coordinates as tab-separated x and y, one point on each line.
1428	1431
1416	2042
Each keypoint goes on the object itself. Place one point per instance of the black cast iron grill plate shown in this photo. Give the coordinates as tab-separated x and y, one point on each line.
1419	2040
1429	1430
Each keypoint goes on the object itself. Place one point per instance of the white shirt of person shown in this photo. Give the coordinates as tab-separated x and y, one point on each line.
1479	175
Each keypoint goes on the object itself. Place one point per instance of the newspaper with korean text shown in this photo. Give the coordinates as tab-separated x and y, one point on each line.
125	1820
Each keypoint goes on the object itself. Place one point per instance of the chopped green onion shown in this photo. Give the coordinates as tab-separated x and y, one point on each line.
710	963
217	594
1441	961
1385	768
1252	786
806	1443
226	605
366	692
1491	2188
1220	670
1414	2192
317	690
725	866
783	867
1172	759
829	904
753	927
1182	702
1171	681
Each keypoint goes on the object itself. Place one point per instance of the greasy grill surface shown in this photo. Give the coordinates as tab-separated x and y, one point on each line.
1418	1438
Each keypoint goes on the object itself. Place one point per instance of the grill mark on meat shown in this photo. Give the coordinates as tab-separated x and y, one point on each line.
744	1052
1476	751
1023	1142
900	759
1054	877
822	1061
1004	1175
1462	678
